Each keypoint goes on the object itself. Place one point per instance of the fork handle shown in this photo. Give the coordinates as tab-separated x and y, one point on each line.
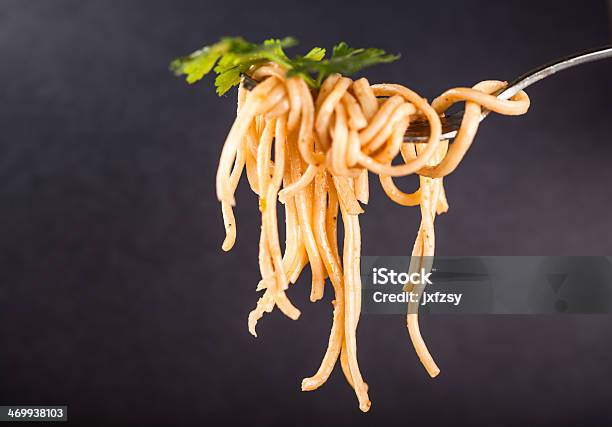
553	67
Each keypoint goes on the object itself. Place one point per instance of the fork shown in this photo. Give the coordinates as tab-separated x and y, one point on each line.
419	129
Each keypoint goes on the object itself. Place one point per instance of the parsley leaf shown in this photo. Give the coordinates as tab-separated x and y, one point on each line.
199	63
233	64
315	54
233	57
346	61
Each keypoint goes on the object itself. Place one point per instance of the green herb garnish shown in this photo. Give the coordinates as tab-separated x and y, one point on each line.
233	56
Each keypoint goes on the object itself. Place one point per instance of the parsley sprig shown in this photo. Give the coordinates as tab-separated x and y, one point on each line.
230	57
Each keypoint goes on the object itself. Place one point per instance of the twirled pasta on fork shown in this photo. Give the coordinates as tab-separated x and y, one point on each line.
310	144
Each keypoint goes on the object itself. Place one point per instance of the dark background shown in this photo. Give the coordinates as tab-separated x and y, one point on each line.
116	299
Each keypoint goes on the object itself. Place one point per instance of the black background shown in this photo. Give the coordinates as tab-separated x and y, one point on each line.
116	299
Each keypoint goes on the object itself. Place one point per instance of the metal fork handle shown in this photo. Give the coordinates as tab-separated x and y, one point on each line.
551	68
419	130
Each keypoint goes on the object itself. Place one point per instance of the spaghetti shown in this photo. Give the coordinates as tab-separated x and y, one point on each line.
313	153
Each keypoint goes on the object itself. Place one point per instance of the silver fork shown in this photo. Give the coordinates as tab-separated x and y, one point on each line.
419	129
